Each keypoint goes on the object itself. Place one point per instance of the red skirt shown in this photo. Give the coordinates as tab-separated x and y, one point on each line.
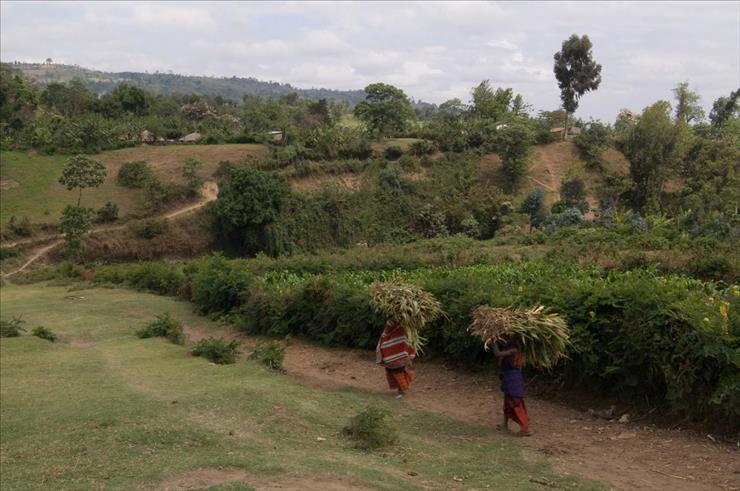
515	410
400	378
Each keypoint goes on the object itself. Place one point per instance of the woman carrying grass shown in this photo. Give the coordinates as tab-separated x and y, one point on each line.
512	385
395	353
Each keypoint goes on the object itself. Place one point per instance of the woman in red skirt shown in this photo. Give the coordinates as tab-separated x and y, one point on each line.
395	353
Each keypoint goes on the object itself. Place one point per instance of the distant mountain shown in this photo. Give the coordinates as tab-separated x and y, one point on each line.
233	88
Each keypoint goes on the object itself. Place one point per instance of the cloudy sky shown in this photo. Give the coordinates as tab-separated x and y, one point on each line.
433	50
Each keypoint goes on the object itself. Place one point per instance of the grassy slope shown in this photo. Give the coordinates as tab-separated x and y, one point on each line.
41	198
101	409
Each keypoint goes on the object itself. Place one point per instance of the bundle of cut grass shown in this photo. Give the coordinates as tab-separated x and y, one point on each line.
408	305
544	337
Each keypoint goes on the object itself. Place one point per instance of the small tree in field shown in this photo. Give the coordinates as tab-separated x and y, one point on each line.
82	172
576	71
75	221
79	172
386	108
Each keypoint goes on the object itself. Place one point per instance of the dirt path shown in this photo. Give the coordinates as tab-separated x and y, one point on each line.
624	456
208	193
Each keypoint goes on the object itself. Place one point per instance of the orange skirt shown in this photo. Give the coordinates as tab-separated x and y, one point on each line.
400	378
515	410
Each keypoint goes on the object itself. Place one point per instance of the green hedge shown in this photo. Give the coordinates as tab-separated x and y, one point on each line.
672	341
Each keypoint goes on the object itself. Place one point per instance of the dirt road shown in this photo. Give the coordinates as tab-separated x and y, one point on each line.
624	456
208	193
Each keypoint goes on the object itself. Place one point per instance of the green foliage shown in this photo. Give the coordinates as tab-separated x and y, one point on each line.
576	71
248	202
386	109
44	333
190	169
393	152
150	228
592	142
107	213
20	226
9	252
653	147
74	223
269	354
217	350
513	143
688	108
159	195
372	429
534	206
420	148
431	223
725	109
163	326
162	278
216	285
82	172
134	175
11	328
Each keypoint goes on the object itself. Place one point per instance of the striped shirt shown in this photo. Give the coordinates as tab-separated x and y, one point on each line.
394	349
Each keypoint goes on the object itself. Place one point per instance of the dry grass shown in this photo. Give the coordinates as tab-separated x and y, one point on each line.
167	160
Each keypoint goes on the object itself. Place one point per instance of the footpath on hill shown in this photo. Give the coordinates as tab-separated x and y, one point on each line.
630	456
208	193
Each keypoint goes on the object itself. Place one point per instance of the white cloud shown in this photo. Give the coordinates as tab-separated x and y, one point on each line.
434	51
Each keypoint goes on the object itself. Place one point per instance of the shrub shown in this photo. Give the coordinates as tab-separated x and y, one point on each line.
270	354
20	226
407	163
148	229
216	285
534	206
190	169
217	350
393	152
8	252
44	333
158	194
155	277
421	148
470	227
11	328
164	326
107	213
431	223
571	217
134	174
372	429
592	142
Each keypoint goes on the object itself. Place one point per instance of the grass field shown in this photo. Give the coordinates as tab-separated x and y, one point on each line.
30	186
101	409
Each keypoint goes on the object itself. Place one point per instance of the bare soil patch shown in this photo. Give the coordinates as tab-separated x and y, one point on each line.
624	456
8	184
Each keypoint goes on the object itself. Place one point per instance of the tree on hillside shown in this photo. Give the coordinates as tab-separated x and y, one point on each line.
248	202
534	206
653	147
688	109
78	172
385	109
81	172
513	143
489	104
725	108
576	72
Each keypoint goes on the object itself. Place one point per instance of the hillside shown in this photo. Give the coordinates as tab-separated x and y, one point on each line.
232	88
